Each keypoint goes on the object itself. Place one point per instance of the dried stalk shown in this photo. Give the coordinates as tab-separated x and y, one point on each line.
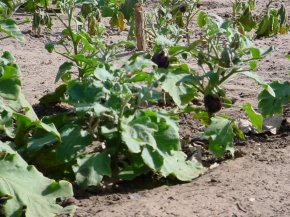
140	30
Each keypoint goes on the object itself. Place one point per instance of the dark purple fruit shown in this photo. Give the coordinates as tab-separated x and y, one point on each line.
161	59
3	199
212	103
182	8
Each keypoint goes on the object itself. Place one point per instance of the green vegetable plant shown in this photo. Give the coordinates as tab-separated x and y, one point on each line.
111	132
273	20
40	16
220	53
24	191
170	22
90	15
119	12
243	15
112	128
182	13
84	47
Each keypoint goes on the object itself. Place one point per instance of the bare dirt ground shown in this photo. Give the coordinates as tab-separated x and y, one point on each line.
257	184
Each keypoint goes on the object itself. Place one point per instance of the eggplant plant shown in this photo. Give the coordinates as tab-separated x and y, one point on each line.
170	22
113	131
40	16
108	114
220	53
24	191
272	21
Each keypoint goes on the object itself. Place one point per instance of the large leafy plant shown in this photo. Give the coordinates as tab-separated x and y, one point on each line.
129	139
109	132
112	132
18	121
220	53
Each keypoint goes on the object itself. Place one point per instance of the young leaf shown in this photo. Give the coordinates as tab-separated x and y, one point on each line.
66	66
269	104
202	19
220	135
181	93
49	47
256	118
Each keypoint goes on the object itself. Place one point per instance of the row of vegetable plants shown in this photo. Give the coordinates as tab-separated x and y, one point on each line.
114	128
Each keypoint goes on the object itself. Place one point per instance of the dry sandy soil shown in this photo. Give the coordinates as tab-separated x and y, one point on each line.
257	184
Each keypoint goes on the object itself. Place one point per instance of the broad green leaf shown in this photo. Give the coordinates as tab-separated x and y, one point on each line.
138	64
220	135
66	66
102	73
10	28
9	88
24	124
181	93
256	118
28	191
74	139
167	136
35	144
91	168
23	104
175	164
50	128
152	158
10	77
269	104
202	19
167	158
6	123
137	133
84	92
